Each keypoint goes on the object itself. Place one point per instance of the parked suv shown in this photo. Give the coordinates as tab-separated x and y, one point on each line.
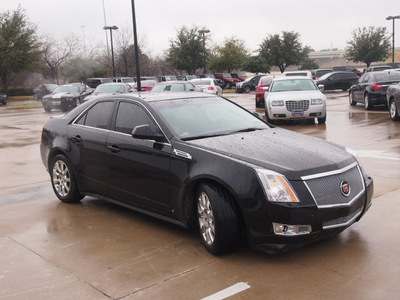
241	76
248	85
347	69
228	79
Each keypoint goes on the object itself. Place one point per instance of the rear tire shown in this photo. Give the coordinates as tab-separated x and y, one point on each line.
247	89
394	113
63	180
367	103
351	99
227	85
217	219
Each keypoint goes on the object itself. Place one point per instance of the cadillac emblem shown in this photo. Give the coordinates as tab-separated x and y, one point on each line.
345	188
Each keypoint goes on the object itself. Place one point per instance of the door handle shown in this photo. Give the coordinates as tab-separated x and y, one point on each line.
77	139
113	148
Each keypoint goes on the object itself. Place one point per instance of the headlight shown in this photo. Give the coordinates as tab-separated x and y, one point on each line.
276	187
317	101
277	103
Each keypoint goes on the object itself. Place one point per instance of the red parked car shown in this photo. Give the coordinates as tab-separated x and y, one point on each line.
146	85
264	82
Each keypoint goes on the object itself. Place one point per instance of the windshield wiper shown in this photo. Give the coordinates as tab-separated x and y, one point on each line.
250	129
203	136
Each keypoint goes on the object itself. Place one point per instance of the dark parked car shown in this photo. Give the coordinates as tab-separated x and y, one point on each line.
393	65
347	69
337	80
199	159
94	82
166	78
371	88
317	73
174	86
248	84
43	90
261	88
393	101
66	96
3	98
240	76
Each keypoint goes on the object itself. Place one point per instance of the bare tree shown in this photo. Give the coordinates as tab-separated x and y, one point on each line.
56	53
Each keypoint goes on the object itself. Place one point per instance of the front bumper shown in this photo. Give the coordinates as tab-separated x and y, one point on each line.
282	113
324	222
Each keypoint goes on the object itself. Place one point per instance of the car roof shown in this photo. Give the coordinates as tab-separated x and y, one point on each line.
281	78
113	83
154	96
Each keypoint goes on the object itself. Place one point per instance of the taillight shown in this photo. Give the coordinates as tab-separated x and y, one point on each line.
377	86
210	88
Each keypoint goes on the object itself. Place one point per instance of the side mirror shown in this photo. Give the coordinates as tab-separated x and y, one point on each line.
145	132
321	87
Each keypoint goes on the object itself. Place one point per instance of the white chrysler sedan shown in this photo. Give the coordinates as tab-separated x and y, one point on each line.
295	97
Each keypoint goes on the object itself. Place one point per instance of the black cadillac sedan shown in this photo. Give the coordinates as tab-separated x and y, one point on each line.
200	160
371	88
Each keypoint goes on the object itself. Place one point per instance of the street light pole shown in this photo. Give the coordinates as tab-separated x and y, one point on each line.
139	84
111	28
393	18
203	32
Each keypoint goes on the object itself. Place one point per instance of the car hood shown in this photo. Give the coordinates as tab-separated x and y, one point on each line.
95	95
291	154
61	95
294	95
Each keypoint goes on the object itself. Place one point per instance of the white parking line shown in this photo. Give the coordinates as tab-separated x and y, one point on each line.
378	154
230	291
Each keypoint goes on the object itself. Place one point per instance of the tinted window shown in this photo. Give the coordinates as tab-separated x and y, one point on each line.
129	116
337	76
98	115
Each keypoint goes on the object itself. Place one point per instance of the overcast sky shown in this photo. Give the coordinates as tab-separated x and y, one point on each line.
321	24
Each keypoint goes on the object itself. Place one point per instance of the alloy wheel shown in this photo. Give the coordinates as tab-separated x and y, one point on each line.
61	178
206	218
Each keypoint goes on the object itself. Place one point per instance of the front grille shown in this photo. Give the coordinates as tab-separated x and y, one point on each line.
326	188
300	105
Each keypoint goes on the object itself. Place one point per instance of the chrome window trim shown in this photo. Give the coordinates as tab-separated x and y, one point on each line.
109	130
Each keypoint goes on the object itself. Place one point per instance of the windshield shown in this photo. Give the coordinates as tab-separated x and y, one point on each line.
67	89
109	89
227	76
175	87
395	76
248	79
293	85
205	117
325	76
201	82
128	80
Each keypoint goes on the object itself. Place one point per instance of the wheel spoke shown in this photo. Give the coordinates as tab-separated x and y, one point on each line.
206	218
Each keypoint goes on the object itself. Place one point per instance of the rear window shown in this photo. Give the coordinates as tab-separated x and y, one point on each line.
386	77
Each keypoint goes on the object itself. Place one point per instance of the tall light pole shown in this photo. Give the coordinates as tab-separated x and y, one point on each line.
393	18
139	85
203	32
111	28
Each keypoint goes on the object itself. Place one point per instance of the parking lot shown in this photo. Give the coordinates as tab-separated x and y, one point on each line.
97	250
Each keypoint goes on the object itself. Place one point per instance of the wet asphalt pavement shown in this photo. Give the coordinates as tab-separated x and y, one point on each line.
97	250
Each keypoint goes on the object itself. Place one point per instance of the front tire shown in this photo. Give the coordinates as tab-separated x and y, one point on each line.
227	85
322	120
63	180
394	113
217	219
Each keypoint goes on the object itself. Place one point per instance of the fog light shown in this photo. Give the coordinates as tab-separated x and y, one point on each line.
284	229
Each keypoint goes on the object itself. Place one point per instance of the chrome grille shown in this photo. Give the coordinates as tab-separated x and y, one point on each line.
300	105
326	191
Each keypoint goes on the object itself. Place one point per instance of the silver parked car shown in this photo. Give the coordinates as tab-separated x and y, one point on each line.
109	89
294	97
207	85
